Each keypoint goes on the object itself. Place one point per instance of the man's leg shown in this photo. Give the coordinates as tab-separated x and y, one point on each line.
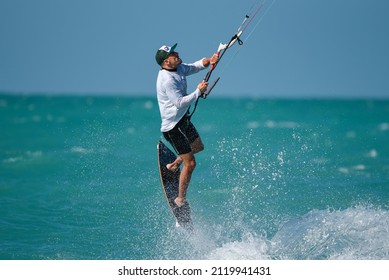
186	174
175	164
197	146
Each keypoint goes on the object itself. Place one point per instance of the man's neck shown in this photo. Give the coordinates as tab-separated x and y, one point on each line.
169	69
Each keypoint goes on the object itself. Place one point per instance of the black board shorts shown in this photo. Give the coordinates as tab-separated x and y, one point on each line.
182	136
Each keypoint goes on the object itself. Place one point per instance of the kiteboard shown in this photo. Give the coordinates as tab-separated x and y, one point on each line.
170	181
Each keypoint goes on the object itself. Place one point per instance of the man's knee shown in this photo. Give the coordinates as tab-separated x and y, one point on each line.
189	161
191	164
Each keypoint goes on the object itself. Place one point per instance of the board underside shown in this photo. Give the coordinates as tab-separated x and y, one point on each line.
170	181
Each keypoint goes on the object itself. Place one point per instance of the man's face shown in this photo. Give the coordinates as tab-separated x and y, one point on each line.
174	59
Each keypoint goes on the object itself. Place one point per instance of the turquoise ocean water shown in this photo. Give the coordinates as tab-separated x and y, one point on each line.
278	179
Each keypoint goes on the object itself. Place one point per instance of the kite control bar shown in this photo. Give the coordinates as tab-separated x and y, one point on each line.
220	52
224	47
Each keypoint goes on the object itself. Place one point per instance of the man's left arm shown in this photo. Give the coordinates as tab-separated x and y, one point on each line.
210	60
199	65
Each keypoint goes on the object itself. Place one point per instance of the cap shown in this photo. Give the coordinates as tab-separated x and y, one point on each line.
163	53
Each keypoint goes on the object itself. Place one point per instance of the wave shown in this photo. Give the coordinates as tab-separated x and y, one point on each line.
263	190
24	157
272	124
356	233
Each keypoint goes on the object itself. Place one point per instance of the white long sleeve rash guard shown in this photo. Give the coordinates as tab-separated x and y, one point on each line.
173	99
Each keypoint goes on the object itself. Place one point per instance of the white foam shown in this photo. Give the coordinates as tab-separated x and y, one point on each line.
384	126
359	167
351	134
12	159
270	124
81	150
372	153
359	232
252	125
343	170
34	153
281	124
148	105
354	233
28	155
250	248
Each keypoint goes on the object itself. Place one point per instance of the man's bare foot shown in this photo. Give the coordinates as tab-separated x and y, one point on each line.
174	166
179	201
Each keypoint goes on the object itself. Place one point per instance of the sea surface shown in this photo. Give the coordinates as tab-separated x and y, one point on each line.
278	179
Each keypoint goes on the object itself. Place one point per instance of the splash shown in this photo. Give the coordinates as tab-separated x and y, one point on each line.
251	247
260	204
359	232
356	233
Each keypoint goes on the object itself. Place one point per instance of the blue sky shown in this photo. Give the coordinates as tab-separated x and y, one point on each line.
301	48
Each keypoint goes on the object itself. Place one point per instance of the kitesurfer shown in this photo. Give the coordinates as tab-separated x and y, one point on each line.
174	103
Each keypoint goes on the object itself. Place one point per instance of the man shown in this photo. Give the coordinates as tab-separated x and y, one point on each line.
174	103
